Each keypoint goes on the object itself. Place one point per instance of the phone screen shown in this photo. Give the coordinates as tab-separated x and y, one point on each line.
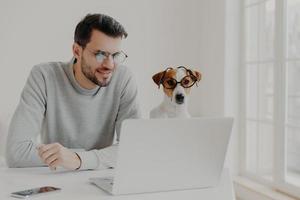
34	191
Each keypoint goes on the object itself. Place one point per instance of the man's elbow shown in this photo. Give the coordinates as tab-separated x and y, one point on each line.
11	162
15	156
11	158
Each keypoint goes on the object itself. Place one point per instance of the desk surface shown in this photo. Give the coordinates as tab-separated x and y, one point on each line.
75	185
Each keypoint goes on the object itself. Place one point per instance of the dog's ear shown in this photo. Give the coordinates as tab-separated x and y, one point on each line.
157	77
197	74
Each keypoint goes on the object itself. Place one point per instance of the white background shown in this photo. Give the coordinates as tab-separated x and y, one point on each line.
201	34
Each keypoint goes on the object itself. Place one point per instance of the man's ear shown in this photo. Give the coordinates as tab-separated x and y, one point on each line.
77	50
157	78
197	74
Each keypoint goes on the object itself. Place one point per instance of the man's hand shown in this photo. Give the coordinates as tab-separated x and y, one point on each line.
55	155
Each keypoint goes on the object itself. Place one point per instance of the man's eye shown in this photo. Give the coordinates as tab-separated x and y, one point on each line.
116	54
100	54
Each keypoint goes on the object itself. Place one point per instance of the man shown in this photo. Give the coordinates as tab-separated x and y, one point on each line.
76	107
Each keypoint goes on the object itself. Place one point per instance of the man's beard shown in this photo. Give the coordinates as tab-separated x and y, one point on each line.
87	72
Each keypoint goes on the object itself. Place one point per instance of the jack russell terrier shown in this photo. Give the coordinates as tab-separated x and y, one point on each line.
176	84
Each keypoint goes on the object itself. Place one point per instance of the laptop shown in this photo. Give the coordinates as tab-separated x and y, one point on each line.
158	155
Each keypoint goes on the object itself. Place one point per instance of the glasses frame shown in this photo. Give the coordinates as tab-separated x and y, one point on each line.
107	54
194	81
189	72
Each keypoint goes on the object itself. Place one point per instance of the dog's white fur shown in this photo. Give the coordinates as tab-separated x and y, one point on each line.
169	108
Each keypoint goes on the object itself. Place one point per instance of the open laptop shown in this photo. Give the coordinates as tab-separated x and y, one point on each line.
168	154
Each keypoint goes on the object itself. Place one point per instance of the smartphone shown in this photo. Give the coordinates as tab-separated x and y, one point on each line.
34	192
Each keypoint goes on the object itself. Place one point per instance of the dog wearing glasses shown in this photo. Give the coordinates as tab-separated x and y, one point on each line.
177	83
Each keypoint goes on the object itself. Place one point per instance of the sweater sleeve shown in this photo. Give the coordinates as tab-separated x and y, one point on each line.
26	123
128	108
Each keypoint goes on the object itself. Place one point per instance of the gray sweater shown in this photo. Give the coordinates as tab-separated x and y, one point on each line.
54	106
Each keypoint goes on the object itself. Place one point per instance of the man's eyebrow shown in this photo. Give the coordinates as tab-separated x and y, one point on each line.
101	51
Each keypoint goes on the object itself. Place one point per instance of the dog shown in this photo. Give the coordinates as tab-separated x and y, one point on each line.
177	83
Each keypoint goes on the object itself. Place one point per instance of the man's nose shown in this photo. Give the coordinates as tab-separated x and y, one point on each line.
108	62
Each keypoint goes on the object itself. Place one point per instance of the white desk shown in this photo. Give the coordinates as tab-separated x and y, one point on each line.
75	185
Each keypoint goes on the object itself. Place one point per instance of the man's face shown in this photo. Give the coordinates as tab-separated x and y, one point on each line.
99	72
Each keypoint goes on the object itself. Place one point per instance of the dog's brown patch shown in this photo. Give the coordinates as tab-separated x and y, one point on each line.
170	74
197	74
157	77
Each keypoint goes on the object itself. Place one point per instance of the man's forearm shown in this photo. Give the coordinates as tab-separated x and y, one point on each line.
22	154
98	159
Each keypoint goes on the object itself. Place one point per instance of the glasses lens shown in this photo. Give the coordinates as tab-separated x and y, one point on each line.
100	57
187	82
119	57
169	83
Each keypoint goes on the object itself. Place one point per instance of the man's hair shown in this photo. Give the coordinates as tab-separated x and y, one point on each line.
100	22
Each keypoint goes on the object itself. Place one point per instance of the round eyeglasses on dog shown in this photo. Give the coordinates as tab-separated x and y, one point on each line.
186	82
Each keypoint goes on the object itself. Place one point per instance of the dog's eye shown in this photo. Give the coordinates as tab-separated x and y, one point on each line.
171	82
187	82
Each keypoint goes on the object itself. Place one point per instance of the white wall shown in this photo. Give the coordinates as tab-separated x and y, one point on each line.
161	34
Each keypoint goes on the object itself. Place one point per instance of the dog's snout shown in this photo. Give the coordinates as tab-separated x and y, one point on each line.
179	98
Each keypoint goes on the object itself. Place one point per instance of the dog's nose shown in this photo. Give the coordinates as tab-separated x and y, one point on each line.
179	98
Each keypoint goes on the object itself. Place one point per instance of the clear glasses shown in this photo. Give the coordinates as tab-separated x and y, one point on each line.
118	57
